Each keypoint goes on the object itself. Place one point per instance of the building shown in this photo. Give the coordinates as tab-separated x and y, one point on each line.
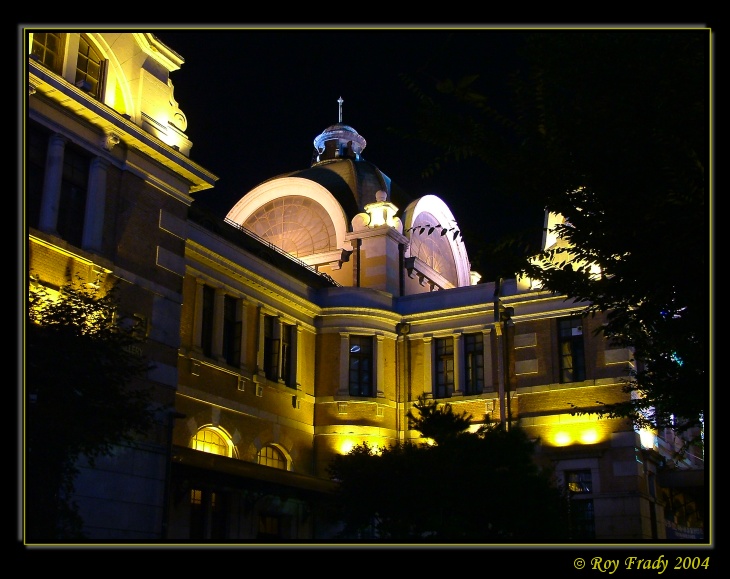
306	321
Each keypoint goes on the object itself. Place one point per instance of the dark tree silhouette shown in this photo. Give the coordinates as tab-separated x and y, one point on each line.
468	487
80	399
611	130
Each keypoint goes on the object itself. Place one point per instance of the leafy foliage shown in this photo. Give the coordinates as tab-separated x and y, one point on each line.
482	487
437	422
80	398
609	129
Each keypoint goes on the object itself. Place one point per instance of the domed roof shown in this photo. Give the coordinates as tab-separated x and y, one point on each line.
343	136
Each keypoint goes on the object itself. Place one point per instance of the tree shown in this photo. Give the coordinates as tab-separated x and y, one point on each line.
467	487
609	129
81	400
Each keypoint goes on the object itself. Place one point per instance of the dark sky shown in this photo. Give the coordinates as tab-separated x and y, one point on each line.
256	98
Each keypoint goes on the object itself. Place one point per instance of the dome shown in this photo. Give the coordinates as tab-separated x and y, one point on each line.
338	141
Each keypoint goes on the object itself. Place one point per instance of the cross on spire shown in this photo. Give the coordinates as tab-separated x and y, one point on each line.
339	100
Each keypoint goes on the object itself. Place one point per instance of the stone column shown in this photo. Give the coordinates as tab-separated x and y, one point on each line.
51	197
95	201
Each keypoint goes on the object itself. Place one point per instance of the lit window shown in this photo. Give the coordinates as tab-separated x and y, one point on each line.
271	456
212	440
572	356
361	366
579	481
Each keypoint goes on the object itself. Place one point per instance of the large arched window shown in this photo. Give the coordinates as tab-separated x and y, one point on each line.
213	440
272	456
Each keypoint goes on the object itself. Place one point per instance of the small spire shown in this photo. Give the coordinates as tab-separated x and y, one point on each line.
339	100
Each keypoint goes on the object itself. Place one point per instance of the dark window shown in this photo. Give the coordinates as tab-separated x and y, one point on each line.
361	366
271	347
286	354
582	519
206	334
572	354
89	68
72	204
444	385
48	50
36	148
474	363
231	331
582	516
207	515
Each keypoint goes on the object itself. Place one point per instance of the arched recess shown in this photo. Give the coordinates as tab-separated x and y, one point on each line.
431	210
296	215
117	93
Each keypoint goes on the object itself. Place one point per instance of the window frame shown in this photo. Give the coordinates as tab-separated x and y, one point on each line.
360	378
226	443
571	349
473	363
232	330
43	51
444	373
279	460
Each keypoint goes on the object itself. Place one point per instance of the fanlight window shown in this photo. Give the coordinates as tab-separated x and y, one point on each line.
212	440
270	455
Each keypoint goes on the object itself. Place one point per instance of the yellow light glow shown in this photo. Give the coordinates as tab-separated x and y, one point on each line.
589	436
562	439
581	433
346	446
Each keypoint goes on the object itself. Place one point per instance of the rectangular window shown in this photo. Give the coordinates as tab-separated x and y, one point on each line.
582	516
48	50
444	355
271	347
579	481
361	366
72	205
206	336
582	519
286	354
572	351
474	363
232	327
89	68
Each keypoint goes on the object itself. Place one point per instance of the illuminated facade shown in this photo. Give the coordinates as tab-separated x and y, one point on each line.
307	321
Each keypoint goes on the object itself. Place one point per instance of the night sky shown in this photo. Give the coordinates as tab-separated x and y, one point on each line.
256	98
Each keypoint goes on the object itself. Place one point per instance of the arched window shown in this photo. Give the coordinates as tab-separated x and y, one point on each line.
213	440
270	455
